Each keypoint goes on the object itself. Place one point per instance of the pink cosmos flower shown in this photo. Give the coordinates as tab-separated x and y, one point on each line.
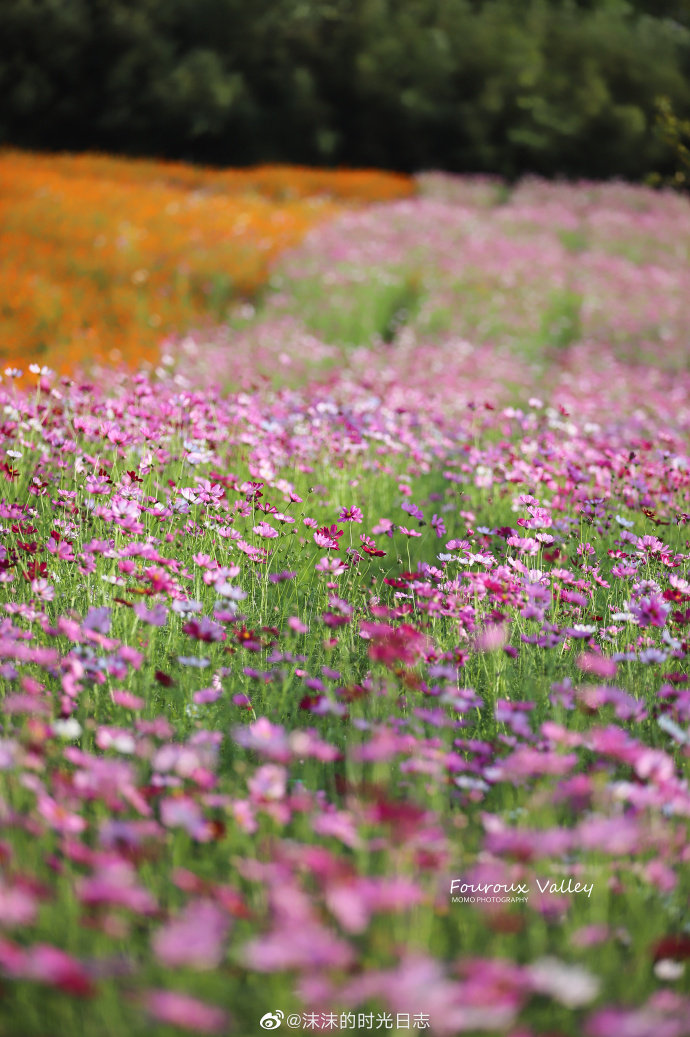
157	616
492	638
195	938
47	964
296	625
438	525
661	1016
184	812
210	492
650	611
59	817
327	537
115	884
591	935
263	735
599	665
654	765
330	566
354	901
168	1006
351	514
207	695
43	589
265	530
128	700
306	945
98	620
339	824
18	906
204	629
526	763
268	782
390	645
413	510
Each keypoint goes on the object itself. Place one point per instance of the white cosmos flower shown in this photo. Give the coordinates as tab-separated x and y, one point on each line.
68	729
571	985
669	970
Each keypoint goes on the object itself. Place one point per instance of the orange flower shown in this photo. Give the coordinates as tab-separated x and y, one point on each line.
101	257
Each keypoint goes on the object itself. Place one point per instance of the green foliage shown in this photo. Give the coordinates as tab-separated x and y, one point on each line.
561	322
549	86
675	133
574	240
356	313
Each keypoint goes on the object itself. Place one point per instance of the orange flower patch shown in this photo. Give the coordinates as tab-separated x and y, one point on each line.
101	258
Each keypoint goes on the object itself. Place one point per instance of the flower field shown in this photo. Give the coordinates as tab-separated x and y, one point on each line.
100	257
344	650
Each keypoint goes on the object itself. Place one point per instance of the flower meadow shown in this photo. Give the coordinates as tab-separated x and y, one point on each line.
344	647
100	257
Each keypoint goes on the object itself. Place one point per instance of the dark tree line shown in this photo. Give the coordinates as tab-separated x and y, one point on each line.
506	86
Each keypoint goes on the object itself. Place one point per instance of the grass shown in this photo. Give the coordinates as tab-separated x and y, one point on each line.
357	314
